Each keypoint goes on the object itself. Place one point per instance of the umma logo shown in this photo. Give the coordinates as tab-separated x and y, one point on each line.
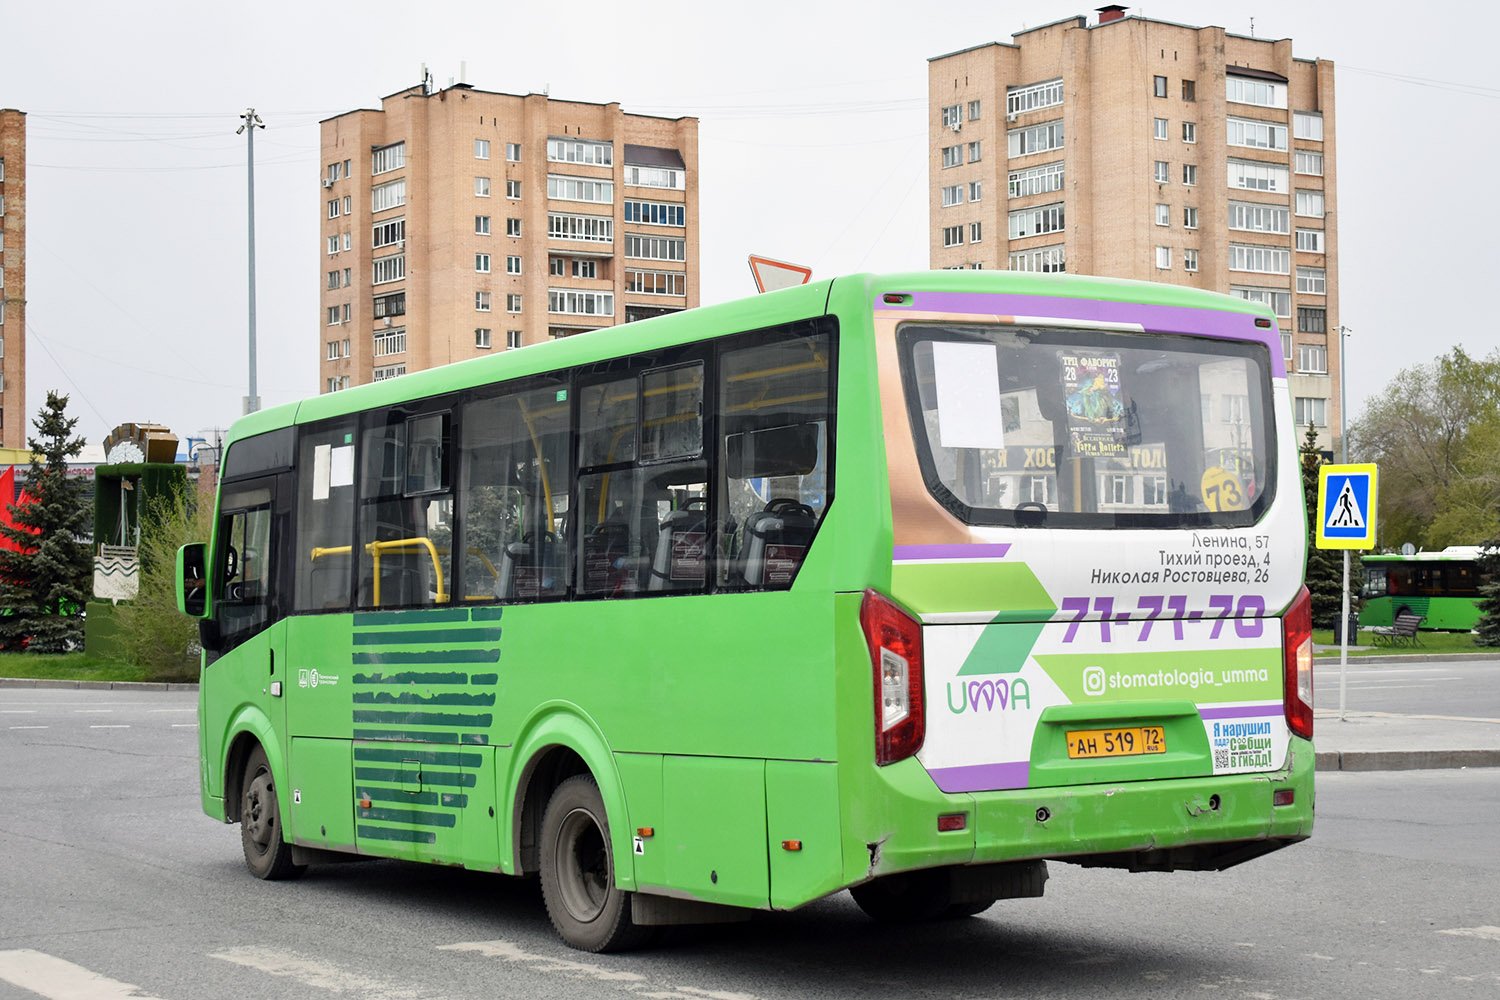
1093	680
311	679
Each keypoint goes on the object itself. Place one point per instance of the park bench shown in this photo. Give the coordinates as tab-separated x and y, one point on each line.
1402	633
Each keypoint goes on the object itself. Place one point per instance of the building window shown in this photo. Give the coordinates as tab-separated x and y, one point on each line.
1189	217
333	279
513	152
1307	125
1279	299
1252	175
655	247
387	158
1261	93
392	304
513	302
1035	139
1253	218
976	152
655	282
1043	260
482	337
1163	172
1033	96
589	228
1312	280
953	236
1159	86
584	269
513	189
976	190
1310	320
333	209
388	233
580	189
333	243
388	342
1286	346
481	225
656	213
953	156
481	149
599	154
1163	215
953	115
1190	260
1190	174
1189	131
348	277
1189	90
973	111
1263	260
513	227
333	315
333	350
512	339
953	194
637	175
1036	221
1159	128
1310	240
975	232
482	263
555	266
1310	204
1310	410
1036	180
1164	258
348	239
1312	359
1307	162
482	302
384	269
386	196
481	187
512	265
573	302
389	371
1255	134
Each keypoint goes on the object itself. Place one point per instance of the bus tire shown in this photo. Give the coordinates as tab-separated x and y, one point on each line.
267	853
587	909
907	897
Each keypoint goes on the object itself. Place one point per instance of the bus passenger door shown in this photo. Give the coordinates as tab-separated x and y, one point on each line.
245	675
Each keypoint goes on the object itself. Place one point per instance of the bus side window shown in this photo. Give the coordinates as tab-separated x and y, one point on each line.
405	525
325	517
245	565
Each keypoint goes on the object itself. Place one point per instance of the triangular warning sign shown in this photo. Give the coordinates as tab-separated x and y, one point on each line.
1345	512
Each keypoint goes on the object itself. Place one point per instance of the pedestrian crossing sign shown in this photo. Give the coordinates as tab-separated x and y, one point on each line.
1346	506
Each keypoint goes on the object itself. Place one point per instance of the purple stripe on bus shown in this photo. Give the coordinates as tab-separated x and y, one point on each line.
975	550
982	777
1160	319
1242	712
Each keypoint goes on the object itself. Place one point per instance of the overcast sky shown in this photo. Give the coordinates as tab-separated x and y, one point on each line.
812	147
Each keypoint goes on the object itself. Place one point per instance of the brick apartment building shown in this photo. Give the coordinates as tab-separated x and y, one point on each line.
457	222
1137	148
13	425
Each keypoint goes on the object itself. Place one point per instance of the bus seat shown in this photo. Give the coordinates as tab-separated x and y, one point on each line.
528	569
776	540
681	550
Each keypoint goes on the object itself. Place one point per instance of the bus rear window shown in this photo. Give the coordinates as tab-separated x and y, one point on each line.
1090	429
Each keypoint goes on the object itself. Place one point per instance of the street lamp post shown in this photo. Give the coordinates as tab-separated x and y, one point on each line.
1343	332
250	124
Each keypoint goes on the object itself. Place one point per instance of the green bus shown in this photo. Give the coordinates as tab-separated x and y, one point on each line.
899	584
1441	587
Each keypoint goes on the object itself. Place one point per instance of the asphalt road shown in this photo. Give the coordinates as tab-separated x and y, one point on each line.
113	879
1430	687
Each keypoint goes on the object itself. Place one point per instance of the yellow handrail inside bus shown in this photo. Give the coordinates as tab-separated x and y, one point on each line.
319	551
401	544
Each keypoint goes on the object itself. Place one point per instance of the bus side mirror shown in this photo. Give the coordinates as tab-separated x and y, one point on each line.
192	579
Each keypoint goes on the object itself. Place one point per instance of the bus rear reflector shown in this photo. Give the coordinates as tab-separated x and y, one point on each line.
1296	646
895	641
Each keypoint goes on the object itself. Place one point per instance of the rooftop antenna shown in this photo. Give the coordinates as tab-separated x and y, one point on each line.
1252	27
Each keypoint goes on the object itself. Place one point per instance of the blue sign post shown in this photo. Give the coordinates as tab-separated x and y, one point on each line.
1347	497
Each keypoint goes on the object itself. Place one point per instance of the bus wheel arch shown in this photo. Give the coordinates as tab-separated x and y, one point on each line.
543	773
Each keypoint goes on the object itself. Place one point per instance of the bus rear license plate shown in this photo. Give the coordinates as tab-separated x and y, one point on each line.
1090	743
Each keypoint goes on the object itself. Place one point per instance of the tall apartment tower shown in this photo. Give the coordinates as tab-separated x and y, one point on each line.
457	222
13	425
1144	149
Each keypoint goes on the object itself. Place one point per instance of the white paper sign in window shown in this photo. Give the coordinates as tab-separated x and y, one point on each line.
967	378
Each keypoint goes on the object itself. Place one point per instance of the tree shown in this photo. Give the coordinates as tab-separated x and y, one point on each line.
47	578
1488	628
1435	434
1325	567
154	634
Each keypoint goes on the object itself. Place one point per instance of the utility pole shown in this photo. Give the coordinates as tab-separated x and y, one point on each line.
251	122
1344	332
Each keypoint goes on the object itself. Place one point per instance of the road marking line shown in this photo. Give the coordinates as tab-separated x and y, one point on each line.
109	727
92	711
637	984
56	979
17	711
26	727
184	725
172	710
1484	933
1324	712
318	974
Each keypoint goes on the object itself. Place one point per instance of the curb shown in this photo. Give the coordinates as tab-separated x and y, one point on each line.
1403	760
44	682
1332	655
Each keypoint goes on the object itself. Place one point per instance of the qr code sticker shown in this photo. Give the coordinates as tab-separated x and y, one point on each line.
1221	758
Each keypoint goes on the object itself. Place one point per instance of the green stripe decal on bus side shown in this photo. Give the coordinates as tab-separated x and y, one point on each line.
433	656
406	698
424	637
422	736
440	758
386	833
395	776
415	817
453	800
424	719
365	619
1010	589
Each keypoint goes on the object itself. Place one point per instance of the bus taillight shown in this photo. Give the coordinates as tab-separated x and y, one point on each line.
1296	639
895	641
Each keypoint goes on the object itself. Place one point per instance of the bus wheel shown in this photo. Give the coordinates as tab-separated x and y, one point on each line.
905	898
588	910
266	852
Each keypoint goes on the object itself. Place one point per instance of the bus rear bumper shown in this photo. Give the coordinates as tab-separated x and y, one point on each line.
1205	823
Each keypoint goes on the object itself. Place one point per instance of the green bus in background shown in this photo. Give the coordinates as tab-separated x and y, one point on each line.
899	584
1442	587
